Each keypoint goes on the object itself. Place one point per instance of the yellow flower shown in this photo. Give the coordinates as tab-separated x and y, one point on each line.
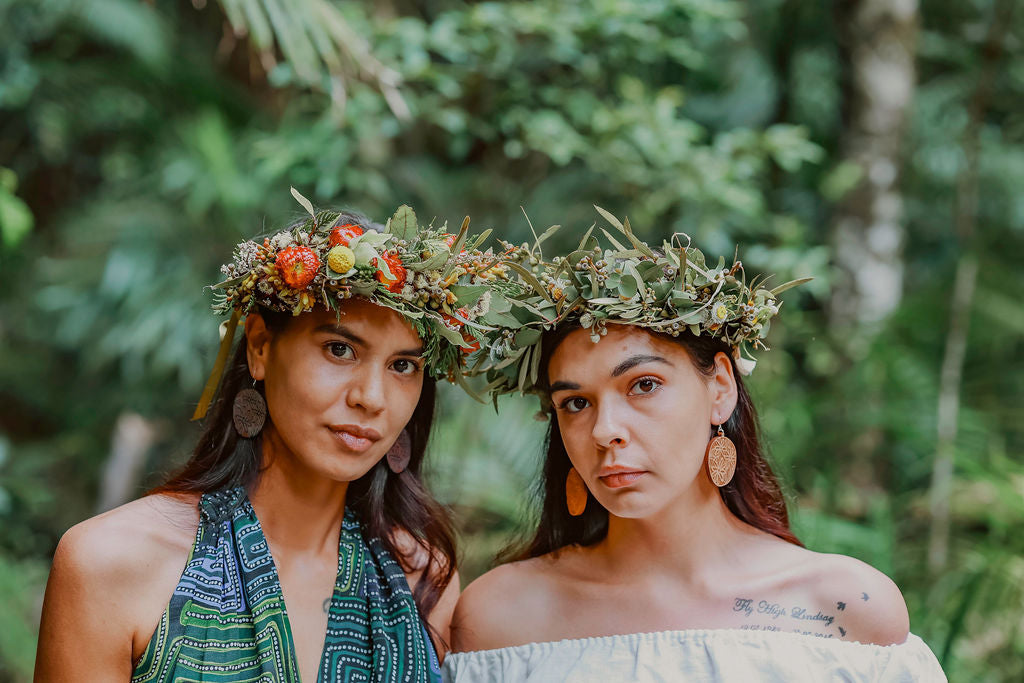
341	259
721	312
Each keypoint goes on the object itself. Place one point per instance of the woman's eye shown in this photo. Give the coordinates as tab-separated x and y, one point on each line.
405	367
645	386
575	404
339	350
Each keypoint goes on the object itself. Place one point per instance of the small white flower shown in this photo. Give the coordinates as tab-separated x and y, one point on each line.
744	366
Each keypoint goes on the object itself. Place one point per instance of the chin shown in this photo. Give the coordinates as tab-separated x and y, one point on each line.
635	505
343	467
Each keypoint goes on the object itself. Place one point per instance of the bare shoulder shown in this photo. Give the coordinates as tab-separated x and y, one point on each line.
122	543
503	607
419	562
867	605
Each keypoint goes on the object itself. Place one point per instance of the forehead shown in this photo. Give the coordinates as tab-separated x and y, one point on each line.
375	324
578	358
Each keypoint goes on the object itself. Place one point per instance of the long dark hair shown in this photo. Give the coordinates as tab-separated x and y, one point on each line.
385	502
753	495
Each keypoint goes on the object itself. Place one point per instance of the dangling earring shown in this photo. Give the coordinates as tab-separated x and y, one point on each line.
721	457
400	453
249	412
575	493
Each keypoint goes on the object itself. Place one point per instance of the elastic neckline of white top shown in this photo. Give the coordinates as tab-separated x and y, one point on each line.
692	634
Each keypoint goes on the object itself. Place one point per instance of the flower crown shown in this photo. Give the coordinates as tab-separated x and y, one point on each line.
439	281
671	290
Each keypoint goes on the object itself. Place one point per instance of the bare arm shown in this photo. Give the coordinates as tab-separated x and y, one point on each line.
111	579
84	635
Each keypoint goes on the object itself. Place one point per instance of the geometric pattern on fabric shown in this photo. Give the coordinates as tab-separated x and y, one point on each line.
227	622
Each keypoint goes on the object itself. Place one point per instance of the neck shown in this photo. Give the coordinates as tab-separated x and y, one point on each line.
693	539
300	510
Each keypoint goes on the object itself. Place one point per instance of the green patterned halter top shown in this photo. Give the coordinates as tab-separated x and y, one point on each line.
227	622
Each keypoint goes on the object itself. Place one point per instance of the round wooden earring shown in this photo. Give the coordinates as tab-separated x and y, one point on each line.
400	453
575	493
249	412
721	458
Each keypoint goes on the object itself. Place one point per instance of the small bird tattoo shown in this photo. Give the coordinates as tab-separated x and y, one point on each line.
864	597
841	606
842	631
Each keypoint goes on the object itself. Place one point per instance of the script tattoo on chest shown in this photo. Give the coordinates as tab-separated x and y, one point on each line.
769	615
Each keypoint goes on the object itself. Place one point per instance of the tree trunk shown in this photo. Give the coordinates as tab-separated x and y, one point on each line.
878	42
965	224
133	436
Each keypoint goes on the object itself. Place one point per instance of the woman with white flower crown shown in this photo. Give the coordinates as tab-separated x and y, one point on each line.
305	485
663	550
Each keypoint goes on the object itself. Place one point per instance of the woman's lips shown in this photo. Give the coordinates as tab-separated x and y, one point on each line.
617	480
355	438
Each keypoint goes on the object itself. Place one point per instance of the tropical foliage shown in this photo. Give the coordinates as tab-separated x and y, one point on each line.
140	141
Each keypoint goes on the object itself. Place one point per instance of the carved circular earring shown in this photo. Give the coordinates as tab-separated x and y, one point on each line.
575	493
249	412
721	458
400	453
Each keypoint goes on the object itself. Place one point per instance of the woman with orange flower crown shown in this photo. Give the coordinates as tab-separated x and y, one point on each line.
663	550
304	489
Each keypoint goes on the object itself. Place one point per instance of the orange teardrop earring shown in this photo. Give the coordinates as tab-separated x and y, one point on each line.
721	457
575	493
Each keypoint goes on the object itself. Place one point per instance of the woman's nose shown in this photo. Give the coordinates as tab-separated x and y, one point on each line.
367	390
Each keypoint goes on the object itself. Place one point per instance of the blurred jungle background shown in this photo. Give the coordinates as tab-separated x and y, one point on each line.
876	145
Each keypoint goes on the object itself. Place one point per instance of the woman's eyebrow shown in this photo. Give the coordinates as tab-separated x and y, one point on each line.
341	331
564	386
633	361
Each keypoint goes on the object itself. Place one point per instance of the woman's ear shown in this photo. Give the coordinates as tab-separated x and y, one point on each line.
257	345
723	390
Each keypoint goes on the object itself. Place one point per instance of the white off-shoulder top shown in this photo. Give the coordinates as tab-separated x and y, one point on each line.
731	655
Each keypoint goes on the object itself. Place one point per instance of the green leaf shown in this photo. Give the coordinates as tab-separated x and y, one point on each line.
435	261
635	241
610	218
467	295
16	219
480	239
304	202
403	224
789	285
530	278
628	286
449	334
546	234
615	243
457	245
527	336
586	236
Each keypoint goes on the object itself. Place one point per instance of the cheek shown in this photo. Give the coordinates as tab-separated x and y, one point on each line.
300	390
576	437
675	425
403	395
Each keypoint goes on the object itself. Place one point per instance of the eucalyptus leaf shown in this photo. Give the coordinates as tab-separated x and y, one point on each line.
527	336
403	224
789	285
480	239
615	243
610	218
468	295
306	204
586	236
530	279
628	286
448	333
